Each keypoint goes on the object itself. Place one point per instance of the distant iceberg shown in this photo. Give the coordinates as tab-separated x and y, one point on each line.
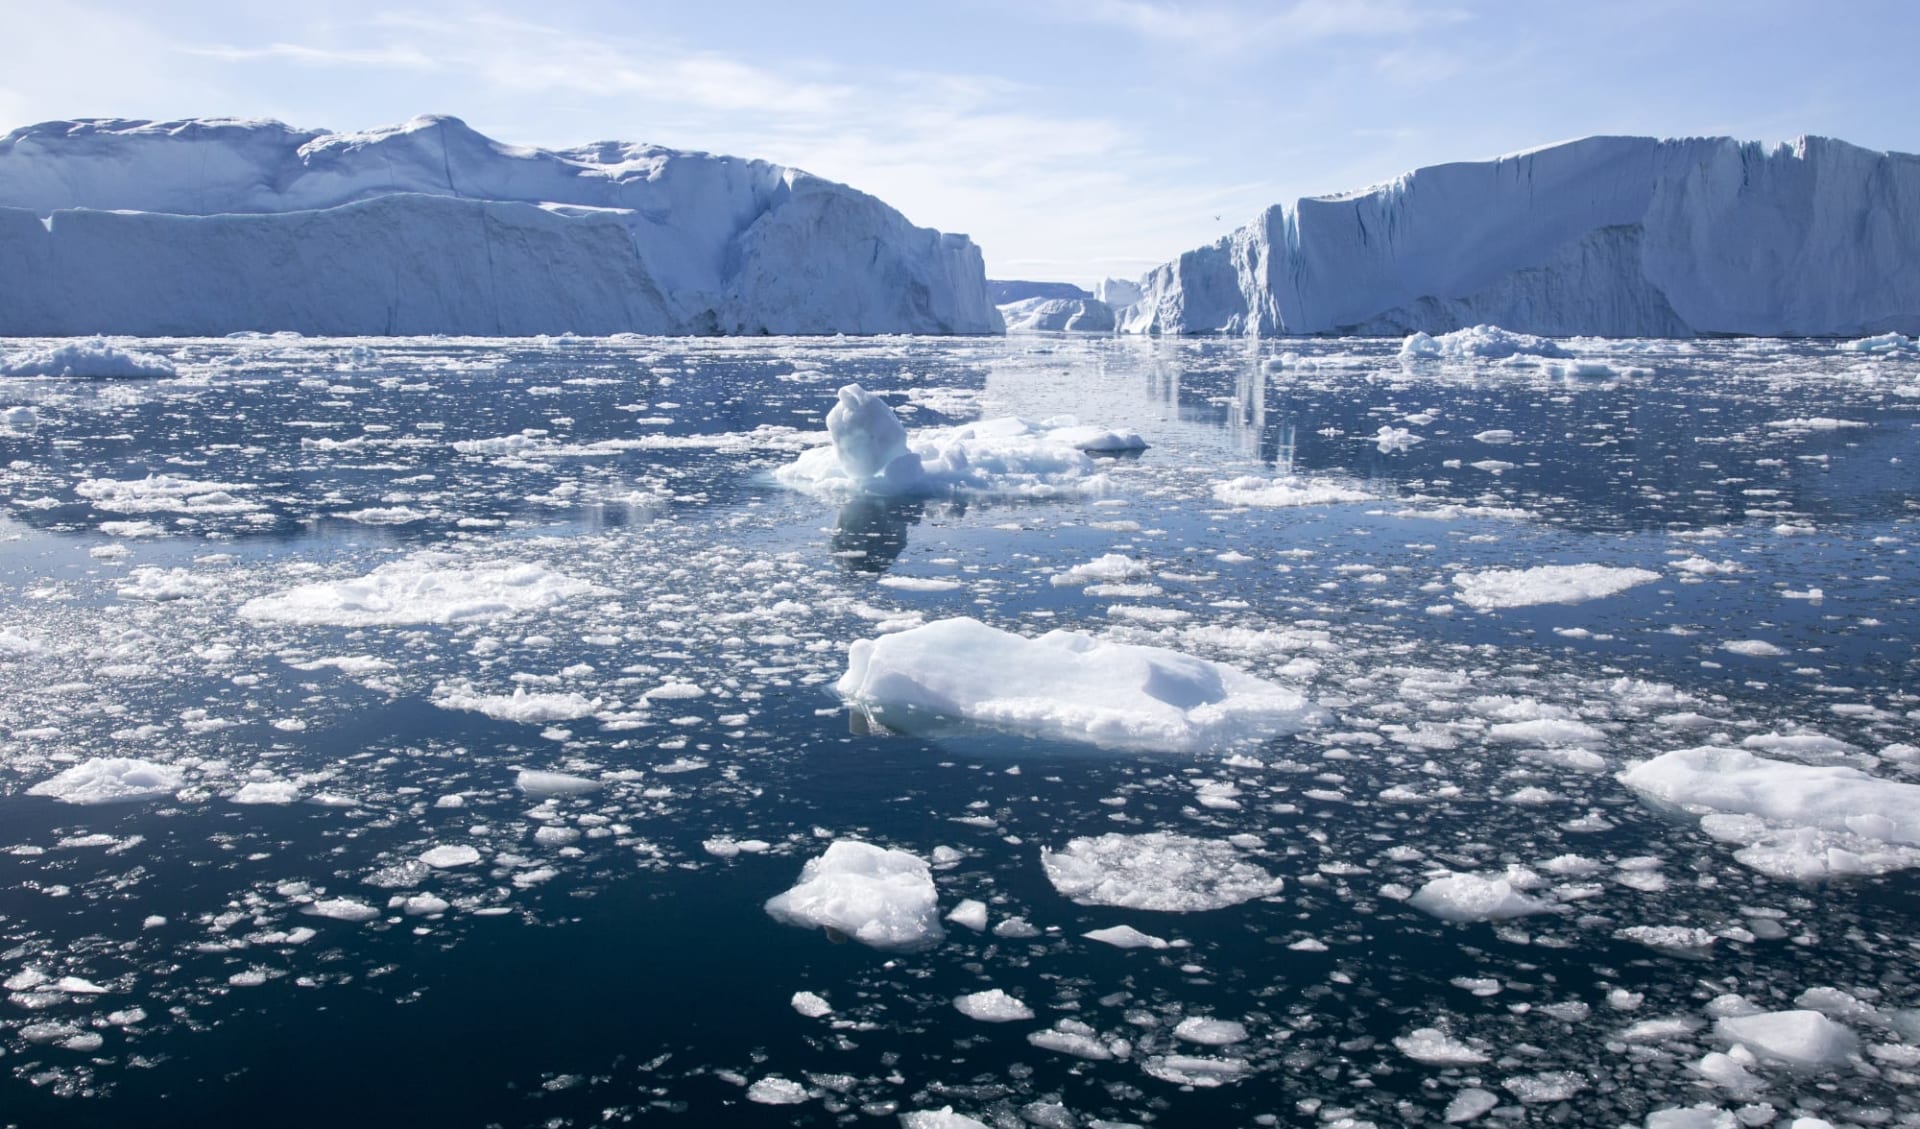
1609	236
207	227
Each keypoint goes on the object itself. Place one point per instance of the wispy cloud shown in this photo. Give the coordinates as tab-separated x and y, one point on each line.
1227	28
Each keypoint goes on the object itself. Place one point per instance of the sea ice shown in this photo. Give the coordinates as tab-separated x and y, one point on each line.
532	709
111	780
1437	1048
872	453
535	782
1801	1038
879	897
428	587
1473	897
1289	490
1210	1032
1157	870
450	855
1482	342
992	1006
1065	685
1546	584
1127	937
87	358
942	1118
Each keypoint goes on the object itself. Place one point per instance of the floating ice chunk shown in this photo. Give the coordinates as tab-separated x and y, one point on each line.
1683	939
1210	1032
93	357
521	706
1390	439
1692	1117
879	897
1752	648
111	780
1111	568
1547	1086
1437	1048
775	1090
1473	897
447	856
426	587
992	1006
1817	423
810	1005
267	792
1196	1070
1064	685
165	493
971	914
1127	937
1071	1037
1470	1104
1289	490
343	909
872	453
424	905
1483	342
1546	584
942	1118
1828	817
537	783
1882	343
1802	1038
1547	731
1159	871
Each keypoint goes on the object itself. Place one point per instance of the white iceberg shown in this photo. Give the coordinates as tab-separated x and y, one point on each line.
1604	236
1159	870
1799	1038
1478	342
429	227
992	1006
871	453
1058	315
91	357
111	780
1474	897
878	897
1290	490
1066	686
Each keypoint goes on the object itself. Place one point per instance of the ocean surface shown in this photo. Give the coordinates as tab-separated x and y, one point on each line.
305	578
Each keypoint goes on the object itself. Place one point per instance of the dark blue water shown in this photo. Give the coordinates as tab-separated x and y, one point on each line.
628	973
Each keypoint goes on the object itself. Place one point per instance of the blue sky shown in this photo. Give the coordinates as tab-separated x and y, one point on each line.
1071	138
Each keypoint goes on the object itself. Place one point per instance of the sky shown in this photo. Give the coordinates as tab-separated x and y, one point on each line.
1073	139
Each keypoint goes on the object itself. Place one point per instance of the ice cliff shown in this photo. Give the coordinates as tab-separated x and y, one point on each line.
1615	236
213	226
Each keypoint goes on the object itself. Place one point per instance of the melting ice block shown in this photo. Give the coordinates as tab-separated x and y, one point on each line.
88	358
111	780
1158	870
879	897
1802	1038
872	453
1067	686
1796	820
423	588
1473	897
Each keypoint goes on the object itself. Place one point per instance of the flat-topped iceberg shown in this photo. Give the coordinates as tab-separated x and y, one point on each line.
1058	315
1066	686
1605	236
879	897
207	227
872	453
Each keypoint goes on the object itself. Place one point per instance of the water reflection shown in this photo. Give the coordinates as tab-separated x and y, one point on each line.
871	533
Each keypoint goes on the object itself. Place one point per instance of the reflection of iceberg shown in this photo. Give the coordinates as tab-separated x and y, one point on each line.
872	453
1064	685
872	532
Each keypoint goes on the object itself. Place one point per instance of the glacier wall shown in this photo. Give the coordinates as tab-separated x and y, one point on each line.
1615	236
207	227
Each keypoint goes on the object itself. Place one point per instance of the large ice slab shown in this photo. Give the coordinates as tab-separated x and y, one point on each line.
1058	315
111	780
212	226
1493	588
876	896
1067	686
427	587
92	357
1610	236
1793	820
872	453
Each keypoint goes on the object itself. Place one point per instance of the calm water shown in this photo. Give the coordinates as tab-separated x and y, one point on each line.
608	960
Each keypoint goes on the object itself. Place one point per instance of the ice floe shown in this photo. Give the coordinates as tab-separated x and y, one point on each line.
429	587
111	780
90	357
1482	342
1065	685
1493	588
1158	870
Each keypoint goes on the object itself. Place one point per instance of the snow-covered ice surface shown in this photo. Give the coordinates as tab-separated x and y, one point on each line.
430	693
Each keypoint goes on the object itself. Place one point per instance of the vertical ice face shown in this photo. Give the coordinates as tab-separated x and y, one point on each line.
203	227
1615	236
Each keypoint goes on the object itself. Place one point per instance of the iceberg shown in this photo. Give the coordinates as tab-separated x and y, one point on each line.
1606	236
1159	871
111	780
879	897
207	227
1058	315
872	454
1064	685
